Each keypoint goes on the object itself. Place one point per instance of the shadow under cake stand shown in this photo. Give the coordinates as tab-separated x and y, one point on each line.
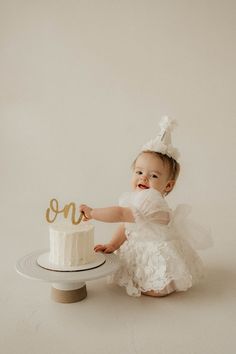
67	286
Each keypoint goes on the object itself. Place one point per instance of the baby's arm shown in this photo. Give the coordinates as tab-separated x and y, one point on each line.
111	214
117	240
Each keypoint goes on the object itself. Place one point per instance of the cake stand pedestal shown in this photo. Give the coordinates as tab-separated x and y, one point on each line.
67	293
67	286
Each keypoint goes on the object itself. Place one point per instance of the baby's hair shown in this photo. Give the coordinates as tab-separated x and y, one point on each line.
174	166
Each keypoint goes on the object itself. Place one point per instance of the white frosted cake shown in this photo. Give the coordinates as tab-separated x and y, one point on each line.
71	245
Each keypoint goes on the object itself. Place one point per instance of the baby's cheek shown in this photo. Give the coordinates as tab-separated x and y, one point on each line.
155	185
133	183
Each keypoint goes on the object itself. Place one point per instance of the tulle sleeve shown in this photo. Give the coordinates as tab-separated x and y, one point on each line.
197	235
147	206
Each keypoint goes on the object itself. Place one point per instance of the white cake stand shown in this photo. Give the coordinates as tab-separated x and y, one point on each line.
68	286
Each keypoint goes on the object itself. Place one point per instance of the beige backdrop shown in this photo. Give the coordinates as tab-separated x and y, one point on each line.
83	85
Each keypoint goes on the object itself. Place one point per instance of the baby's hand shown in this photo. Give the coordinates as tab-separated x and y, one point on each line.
86	210
108	248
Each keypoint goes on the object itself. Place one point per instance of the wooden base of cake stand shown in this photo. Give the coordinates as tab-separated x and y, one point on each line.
68	293
67	287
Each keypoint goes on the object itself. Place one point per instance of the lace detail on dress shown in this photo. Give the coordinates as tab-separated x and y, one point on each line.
149	266
159	250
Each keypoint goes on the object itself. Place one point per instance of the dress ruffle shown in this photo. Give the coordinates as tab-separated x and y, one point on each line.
149	266
156	255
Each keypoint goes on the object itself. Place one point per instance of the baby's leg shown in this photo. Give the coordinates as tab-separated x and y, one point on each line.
167	290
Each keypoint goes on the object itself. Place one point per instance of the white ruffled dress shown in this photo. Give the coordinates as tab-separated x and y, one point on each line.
159	253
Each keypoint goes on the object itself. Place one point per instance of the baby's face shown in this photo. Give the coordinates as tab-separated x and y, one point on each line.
150	172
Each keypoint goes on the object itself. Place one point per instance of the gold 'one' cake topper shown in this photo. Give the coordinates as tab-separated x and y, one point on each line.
54	210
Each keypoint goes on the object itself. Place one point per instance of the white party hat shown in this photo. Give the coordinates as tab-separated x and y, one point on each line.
162	143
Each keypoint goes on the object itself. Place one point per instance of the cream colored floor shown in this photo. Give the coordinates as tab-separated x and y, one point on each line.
202	320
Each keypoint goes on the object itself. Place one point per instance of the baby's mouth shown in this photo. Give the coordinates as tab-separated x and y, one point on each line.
142	186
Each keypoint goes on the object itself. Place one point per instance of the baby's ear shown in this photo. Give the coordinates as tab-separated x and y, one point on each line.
169	186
